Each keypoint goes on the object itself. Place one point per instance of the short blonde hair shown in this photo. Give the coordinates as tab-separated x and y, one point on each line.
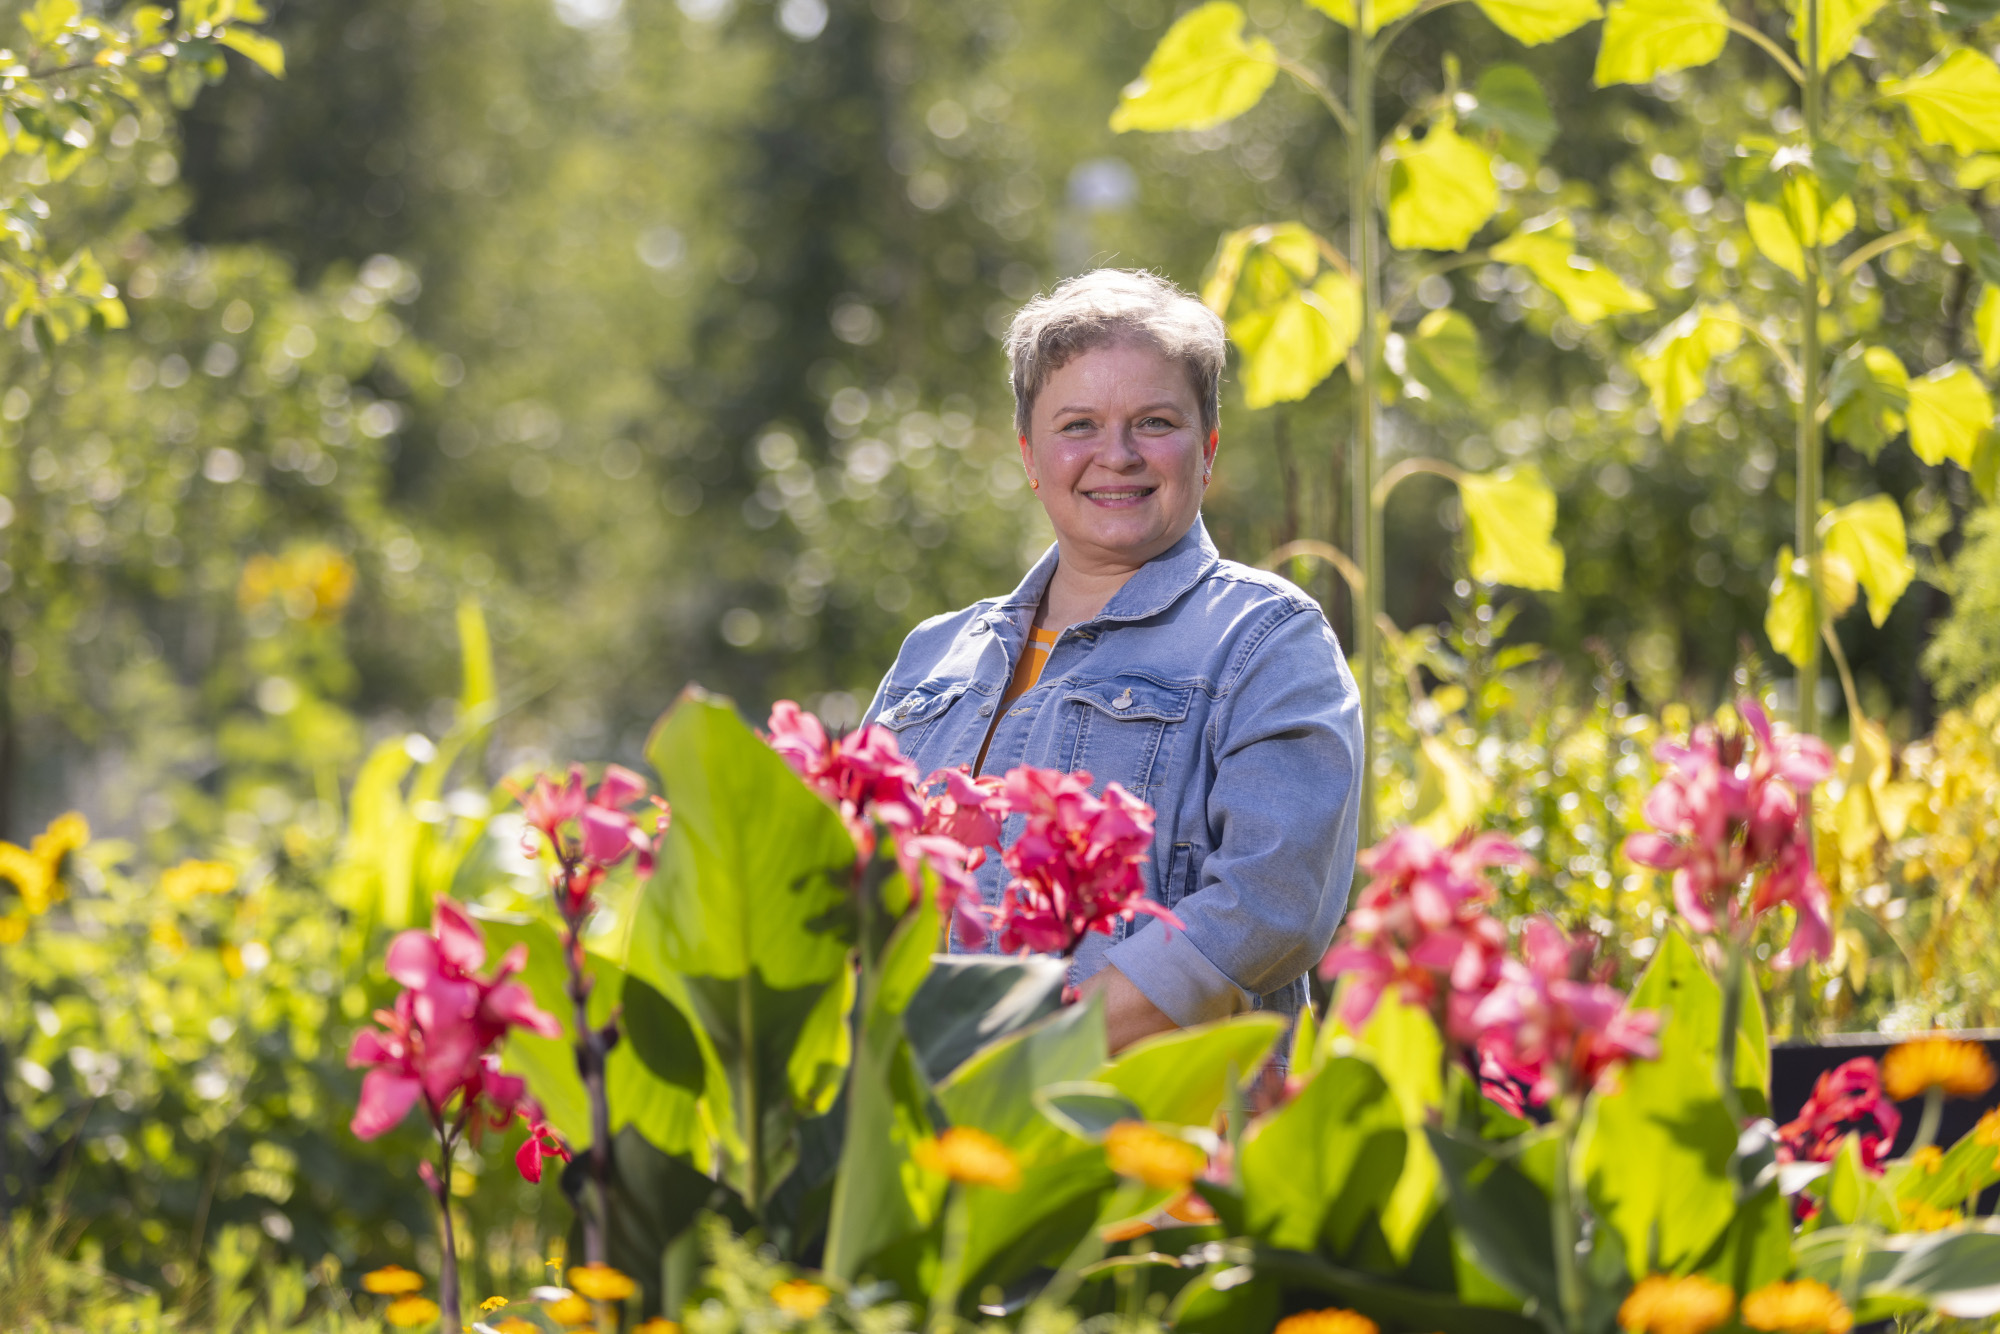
1107	306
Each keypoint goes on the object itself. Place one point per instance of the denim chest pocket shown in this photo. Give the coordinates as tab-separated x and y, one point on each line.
1121	724
918	711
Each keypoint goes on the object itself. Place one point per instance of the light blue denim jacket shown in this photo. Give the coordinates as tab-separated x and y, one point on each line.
1213	691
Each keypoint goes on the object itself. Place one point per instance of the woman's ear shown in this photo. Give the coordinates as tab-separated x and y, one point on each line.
1028	464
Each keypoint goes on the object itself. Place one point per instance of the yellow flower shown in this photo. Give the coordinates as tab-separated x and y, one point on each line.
66	833
1135	1149
13	927
513	1324
1663	1305
1927	1159
1805	1307
970	1157
311	583
406	1312
34	879
492	1304
659	1324
190	880
168	937
601	1283
1961	1069
800	1298
1927	1218
1987	1132
571	1310
392	1281
1333	1320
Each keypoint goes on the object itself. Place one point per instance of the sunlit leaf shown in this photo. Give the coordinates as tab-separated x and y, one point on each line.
1954	101
1511	517
1379	11
1201	74
1869	536
1442	358
1986	324
1949	412
1643	38
1532	22
1840	22
1788	620
1780	226
262	51
1451	791
1588	290
1508	103
1675	364
1976	173
1867	394
1290	346
1441	190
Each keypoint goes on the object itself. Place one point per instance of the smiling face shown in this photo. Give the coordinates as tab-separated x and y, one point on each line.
1115	441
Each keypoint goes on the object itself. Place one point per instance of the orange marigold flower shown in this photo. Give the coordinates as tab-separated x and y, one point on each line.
800	1298
1663	1305
1923	1217
1137	1150
1927	1159
1333	1320
659	1324
570	1309
970	1157
392	1281
601	1283
513	1324
1805	1307
1914	1068
409	1312
1987	1132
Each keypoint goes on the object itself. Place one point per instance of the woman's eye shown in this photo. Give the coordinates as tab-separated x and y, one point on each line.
1080	424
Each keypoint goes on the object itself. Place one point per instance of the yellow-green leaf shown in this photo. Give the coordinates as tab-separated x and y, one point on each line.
1451	791
1954	101
1868	395
1289	346
1441	190
1949	412
1532	22
1780	226
1643	38
262	51
1986	324
1976	173
1294	247
1587	290
1870	537
1788	620
1840	22
1201	74
1511	517
1442	359
1379	11
1675	364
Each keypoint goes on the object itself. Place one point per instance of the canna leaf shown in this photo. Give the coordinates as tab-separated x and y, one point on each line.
1675	364
1201	74
1587	290
1441	190
1950	411
1870	537
1532	22
1643	38
1511	516
1953	101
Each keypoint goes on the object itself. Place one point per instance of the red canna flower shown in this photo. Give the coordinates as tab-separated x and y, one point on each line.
1076	864
592	833
1730	813
1553	1024
542	1142
1847	1099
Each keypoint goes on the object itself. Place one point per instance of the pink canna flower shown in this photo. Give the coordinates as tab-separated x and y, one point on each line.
542	1143
1729	814
591	834
1552	1024
1846	1100
1076	864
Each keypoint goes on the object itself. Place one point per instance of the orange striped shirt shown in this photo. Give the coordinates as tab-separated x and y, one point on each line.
1034	654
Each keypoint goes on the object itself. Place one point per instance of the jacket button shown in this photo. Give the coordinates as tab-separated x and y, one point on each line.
980	627
985	710
1124	701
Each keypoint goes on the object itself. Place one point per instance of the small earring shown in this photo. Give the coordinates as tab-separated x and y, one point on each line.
1034	484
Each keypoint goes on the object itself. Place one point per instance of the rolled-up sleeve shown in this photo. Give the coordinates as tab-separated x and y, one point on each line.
1283	810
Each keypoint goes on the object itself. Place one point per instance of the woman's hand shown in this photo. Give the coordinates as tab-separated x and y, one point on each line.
1128	1015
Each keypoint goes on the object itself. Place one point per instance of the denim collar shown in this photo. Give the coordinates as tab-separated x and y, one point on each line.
1154	587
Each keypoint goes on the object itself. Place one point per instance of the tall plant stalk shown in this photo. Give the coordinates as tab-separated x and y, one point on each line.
1810	453
1366	540
593	1045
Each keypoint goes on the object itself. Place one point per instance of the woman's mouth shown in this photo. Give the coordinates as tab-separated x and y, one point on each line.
1119	497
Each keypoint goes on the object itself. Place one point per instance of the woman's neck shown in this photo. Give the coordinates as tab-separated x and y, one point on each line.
1077	593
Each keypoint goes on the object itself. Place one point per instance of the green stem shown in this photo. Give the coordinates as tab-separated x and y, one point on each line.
1732	1019
1806	520
750	1118
1563	1229
1927	1124
951	1263
1366	542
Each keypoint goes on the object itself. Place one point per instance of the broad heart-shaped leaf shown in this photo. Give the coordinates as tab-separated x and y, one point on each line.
1950	411
1409	1055
1511	517
1183	1076
1379	11
1441	190
1508	104
1870	537
1778	225
1643	38
1314	1281
1986	325
657	1102
1442	360
1313	1170
1588	290
1676	981
1656	1157
1500	1214
1789	622
1532	22
1867	394
1953	101
1291	345
749	918
1292	251
1840	22
1201	74
1675	364
968	1001
1756	1247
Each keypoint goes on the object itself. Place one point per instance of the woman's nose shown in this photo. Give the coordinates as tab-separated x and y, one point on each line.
1121	450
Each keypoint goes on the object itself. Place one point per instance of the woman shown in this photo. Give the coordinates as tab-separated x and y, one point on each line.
1215	692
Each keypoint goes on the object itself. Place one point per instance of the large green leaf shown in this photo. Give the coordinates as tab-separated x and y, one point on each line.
1379	11
1588	290
1643	38
1501	1215
1509	106
1870	537
1441	190
1184	1075
1290	346
1789	622
1867	395
1409	1054
1949	413
1784	218
1674	365
968	1001
748	918
1201	74
1511	516
1658	1146
1315	1168
655	1198
1954	101
1532	22
1840	22
1442	361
